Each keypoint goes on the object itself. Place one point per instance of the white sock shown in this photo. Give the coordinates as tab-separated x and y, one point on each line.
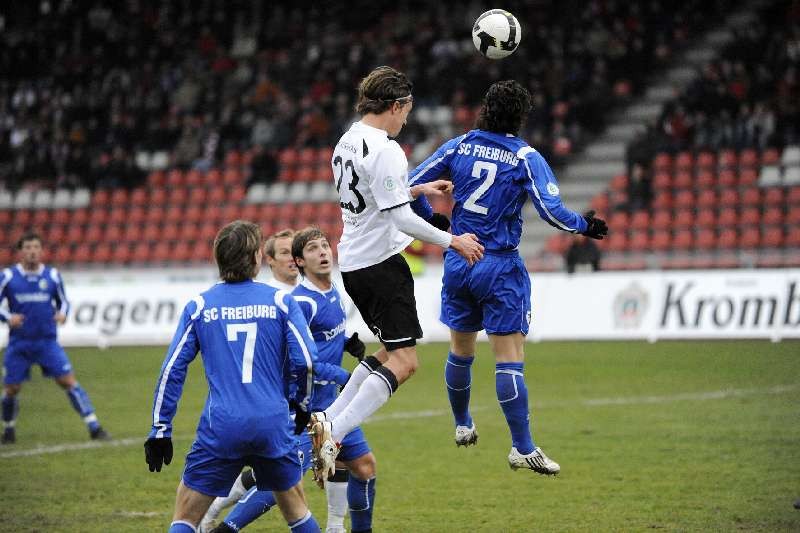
219	504
373	393
349	391
336	493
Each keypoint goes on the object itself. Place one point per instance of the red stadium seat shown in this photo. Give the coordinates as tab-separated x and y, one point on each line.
181	252
197	196
117	215
161	252
707	199
132	232
322	172
793	196
639	241
662	219
619	182
305	173
324	156
307	156
661	240
729	198
6	216
121	254
62	255
728	159
748	159
138	197
773	196
772	216
158	196
750	238
136	215
156	214
728	239
706	239
101	253
233	158
178	196
237	194
141	252
683	240
662	162
194	178
684	199
119	198
112	234
662	180
662	200
75	234
727	178
56	234
619	220
683	180
684	218
750	216
171	232
41	217
175	178
101	198
751	197
194	214
174	214
600	202
772	237
216	195
706	161
640	220
793	216
157	178
213	177
288	157
705	179
232	176
792	238
151	232
706	218
616	241
557	244
747	177
80	216
771	156
684	161
98	216
82	253
207	232
728	217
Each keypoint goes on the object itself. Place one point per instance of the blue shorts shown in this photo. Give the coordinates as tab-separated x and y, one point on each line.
354	445
214	476
494	294
22	354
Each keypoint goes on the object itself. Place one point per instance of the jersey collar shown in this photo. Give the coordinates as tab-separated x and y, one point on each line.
367	127
39	271
308	284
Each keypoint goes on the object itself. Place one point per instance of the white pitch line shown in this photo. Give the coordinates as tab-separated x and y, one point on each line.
430	413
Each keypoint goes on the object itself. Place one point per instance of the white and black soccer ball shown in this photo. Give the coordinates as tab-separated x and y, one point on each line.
496	34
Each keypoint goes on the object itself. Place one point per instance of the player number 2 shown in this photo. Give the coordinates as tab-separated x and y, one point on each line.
477	171
250	330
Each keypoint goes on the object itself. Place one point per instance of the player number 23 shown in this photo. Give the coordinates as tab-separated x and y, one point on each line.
478	170
250	330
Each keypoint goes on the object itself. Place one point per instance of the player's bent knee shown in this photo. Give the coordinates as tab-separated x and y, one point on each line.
66	381
292	502
364	468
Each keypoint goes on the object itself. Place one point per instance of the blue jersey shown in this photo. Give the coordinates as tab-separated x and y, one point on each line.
493	174
251	336
325	314
38	295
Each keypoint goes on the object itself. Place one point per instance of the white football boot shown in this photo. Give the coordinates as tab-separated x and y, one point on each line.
466	436
536	461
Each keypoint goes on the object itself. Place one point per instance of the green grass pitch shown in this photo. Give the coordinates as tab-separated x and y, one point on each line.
675	436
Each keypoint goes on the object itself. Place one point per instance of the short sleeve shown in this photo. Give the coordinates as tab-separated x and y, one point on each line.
388	175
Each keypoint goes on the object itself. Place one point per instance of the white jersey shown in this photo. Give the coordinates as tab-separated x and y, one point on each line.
371	174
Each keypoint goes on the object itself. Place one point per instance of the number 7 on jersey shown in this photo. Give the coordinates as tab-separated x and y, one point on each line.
250	329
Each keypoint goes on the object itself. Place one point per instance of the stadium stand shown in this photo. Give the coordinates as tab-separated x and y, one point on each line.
132	154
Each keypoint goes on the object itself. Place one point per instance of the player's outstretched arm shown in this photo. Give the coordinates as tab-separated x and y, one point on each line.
543	191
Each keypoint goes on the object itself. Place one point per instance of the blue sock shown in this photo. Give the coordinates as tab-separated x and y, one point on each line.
10	410
181	526
83	405
458	378
307	524
513	397
252	505
361	500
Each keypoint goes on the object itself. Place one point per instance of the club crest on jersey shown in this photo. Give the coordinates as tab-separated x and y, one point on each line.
552	188
389	183
43	284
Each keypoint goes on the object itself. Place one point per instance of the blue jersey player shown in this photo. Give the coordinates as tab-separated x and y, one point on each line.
36	304
258	359
494	173
353	484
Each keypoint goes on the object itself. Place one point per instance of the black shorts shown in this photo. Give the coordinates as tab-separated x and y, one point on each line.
384	295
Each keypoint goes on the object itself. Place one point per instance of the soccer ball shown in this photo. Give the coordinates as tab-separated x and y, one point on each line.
496	34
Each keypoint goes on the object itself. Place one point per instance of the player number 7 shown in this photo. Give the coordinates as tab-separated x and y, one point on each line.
477	169
250	329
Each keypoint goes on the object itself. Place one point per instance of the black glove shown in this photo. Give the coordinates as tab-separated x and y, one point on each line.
301	418
596	228
355	347
439	221
158	452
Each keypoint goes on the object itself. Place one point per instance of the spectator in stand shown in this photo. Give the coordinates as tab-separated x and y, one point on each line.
640	191
583	255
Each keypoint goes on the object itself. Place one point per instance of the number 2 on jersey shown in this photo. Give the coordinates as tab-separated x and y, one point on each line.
250	330
348	165
477	169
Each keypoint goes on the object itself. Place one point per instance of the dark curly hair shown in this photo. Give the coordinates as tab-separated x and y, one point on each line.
380	89
505	108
